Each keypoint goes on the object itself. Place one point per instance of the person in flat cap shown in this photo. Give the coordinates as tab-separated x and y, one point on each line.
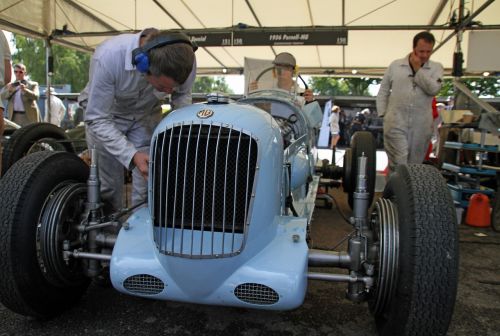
285	66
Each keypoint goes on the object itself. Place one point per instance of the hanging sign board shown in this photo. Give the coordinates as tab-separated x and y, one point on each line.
212	39
267	38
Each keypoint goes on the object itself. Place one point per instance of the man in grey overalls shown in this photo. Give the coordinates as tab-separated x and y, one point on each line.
405	102
129	74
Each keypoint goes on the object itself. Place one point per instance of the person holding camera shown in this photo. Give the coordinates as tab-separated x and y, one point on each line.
22	96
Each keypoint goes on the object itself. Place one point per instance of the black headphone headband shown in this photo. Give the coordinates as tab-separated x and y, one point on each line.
163	40
172	38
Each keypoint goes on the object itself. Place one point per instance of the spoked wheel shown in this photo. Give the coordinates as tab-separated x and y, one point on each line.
386	229
46	194
45	144
417	273
60	217
362	143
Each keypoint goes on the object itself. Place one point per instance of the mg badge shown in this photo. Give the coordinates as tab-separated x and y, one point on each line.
204	114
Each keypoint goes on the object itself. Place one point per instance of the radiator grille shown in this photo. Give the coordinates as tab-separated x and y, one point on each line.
203	177
256	294
144	284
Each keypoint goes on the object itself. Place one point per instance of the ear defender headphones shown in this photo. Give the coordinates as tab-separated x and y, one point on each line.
140	58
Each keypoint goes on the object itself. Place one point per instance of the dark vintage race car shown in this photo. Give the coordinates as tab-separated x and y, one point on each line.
18	141
232	188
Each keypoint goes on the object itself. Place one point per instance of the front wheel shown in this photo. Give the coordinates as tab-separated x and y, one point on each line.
43	197
417	237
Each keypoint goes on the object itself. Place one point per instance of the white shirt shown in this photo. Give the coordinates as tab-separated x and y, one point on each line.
18	101
57	110
117	90
334	123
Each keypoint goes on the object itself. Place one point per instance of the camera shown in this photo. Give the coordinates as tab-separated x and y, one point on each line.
17	83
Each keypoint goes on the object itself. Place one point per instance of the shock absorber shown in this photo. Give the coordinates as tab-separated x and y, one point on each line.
358	243
93	206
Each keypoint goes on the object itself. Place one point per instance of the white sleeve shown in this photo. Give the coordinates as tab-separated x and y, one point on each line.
384	92
98	118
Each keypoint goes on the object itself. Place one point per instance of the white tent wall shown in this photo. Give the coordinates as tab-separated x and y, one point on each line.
379	31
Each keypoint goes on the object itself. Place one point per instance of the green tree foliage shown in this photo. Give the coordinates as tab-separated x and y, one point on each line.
351	86
446	89
70	66
207	84
488	87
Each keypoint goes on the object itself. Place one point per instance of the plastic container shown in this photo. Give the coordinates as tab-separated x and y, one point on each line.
478	213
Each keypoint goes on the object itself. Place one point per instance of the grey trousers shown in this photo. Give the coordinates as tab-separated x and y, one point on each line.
111	171
404	146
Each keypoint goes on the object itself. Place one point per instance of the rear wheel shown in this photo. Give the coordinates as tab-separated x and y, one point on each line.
46	198
416	230
34	138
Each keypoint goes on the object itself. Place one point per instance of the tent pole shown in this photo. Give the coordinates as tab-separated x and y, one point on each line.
49	68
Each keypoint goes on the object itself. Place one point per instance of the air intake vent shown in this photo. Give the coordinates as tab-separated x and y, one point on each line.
256	294
144	284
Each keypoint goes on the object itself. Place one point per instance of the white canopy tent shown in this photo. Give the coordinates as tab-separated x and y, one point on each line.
377	31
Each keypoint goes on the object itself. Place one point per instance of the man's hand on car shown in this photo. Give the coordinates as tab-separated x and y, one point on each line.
141	161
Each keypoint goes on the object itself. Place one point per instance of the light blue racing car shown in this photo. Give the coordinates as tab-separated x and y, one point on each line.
232	189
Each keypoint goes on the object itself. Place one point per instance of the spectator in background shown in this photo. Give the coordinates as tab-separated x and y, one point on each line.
450	103
5	67
54	108
334	127
438	120
22	96
334	130
344	128
358	123
405	101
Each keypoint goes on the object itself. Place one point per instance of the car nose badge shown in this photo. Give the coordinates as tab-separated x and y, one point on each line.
205	114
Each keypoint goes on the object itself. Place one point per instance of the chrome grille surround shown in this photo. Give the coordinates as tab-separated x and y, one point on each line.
144	284
255	293
202	182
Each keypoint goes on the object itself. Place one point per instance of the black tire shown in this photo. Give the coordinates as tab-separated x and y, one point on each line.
346	169
363	142
32	138
26	287
427	274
